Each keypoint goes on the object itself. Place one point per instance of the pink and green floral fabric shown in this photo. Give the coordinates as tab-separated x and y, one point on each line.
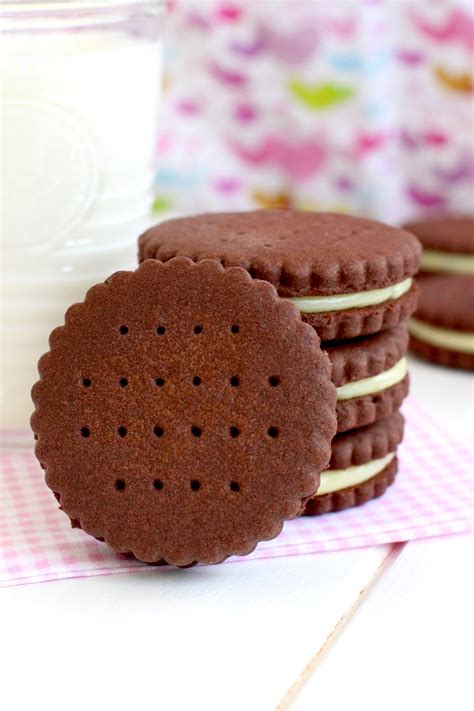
365	107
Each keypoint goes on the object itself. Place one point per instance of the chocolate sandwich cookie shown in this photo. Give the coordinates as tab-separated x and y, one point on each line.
363	464
371	376
448	244
183	412
348	276
442	329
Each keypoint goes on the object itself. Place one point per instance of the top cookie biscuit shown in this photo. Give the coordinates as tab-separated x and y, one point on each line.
300	253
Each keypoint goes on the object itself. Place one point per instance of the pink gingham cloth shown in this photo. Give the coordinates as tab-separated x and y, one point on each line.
432	496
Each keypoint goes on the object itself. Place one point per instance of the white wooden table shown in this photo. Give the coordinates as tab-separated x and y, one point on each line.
388	627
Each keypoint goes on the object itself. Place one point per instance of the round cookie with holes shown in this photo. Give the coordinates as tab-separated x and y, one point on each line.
448	244
363	464
371	376
442	329
183	412
348	276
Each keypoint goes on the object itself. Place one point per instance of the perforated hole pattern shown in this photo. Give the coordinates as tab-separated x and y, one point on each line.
158	485
196	431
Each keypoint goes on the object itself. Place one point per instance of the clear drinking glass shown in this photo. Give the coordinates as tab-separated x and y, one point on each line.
80	85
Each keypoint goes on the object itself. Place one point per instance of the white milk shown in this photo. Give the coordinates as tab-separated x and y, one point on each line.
78	123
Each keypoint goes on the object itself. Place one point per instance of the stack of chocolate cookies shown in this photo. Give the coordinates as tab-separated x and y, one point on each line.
442	329
352	281
250	370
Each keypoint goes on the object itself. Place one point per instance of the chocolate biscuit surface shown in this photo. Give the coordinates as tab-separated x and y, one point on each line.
183	412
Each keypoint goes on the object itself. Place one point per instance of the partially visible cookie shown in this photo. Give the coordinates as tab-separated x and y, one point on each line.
363	464
348	276
183	412
371	376
448	244
442	329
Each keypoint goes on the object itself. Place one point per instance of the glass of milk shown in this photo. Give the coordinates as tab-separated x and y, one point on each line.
80	85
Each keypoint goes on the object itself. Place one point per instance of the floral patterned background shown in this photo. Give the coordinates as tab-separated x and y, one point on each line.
364	107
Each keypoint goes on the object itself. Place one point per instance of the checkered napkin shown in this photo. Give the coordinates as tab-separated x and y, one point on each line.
431	497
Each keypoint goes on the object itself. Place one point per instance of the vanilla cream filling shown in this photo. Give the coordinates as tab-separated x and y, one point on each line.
337	479
375	383
433	260
340	302
442	337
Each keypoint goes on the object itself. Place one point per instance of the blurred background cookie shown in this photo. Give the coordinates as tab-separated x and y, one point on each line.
442	329
448	244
